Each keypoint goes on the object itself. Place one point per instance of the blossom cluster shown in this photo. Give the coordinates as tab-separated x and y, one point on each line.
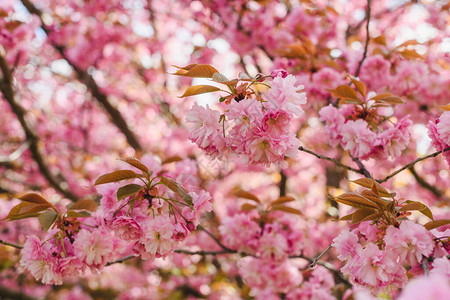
380	257
439	132
362	140
149	224
257	129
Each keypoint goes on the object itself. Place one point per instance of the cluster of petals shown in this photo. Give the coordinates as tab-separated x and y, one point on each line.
257	131
382	265
439	132
359	139
152	230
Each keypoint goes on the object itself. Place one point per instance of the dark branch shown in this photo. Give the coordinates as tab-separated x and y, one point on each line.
32	138
411	164
367	38
335	161
114	114
10	244
423	183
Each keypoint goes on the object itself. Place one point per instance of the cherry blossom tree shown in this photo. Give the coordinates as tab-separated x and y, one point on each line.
224	149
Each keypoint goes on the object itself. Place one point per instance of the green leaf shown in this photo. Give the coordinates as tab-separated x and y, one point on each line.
128	190
199	89
177	189
47	219
116	176
136	163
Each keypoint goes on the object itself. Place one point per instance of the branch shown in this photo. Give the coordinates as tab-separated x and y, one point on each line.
282	184
314	262
6	87
214	253
367	39
121	260
425	184
114	114
10	244
361	167
411	164
216	240
335	161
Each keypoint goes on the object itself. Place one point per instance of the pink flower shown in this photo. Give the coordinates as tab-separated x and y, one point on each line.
279	73
347	245
39	261
377	268
357	138
201	201
435	286
127	228
285	94
409	242
441	266
95	248
273	246
276	123
368	230
394	140
204	127
334	121
238	231
443	127
157	237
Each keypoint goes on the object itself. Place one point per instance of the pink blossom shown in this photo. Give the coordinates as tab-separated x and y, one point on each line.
443	127
127	228
95	248
39	261
285	94
435	286
347	245
276	123
334	122
410	241
357	138
279	73
238	231
378	268
394	140
273	246
205	129
201	201
157	236
441	266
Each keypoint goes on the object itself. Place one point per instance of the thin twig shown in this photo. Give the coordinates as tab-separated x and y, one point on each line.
203	253
424	265
361	167
10	244
121	260
6	87
423	183
335	161
114	114
314	262
215	239
282	184
411	164
367	38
